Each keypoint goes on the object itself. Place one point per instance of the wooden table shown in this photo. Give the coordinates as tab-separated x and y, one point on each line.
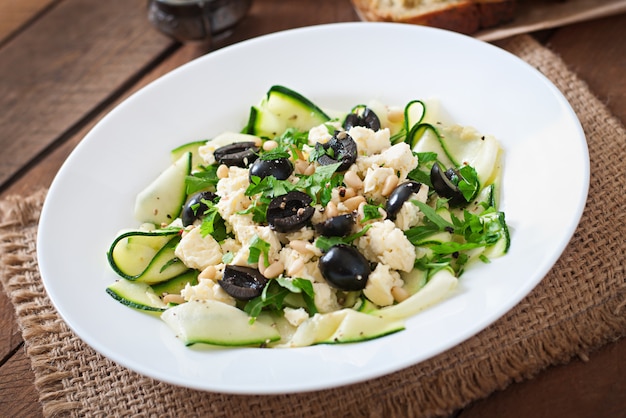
66	63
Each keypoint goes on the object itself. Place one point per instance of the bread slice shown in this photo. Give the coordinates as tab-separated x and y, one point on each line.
464	16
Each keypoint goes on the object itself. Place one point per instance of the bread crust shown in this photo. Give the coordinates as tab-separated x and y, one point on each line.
466	17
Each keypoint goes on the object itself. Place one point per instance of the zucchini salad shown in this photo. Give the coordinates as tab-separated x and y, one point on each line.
312	227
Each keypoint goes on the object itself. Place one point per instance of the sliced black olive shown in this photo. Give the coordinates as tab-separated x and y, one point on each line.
400	194
445	184
345	268
341	148
281	168
195	207
362	116
243	283
337	226
289	212
239	154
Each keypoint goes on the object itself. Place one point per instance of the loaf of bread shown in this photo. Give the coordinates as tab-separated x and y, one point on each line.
464	16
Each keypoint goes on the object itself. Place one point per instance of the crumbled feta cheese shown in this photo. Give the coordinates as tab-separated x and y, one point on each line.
325	298
198	252
302	234
231	191
319	134
399	157
295	316
384	243
206	151
207	289
410	215
379	284
369	142
246	234
375	180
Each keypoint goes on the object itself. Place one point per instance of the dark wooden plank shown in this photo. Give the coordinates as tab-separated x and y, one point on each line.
16	378
582	389
63	67
596	52
10	336
15	14
19	398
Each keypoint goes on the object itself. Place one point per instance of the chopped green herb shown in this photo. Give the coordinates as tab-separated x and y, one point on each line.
212	223
259	247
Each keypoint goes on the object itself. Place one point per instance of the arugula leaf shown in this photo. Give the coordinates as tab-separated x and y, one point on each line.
432	215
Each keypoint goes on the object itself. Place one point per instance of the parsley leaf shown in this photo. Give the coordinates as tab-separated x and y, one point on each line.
202	180
212	223
275	292
275	154
325	243
468	182
371	212
259	247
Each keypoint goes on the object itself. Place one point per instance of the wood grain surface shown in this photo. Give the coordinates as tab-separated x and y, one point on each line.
64	64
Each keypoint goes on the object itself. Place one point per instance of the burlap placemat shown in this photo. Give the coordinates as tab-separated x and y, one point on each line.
579	306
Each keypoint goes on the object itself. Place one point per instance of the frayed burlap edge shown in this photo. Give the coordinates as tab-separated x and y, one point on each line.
577	308
42	329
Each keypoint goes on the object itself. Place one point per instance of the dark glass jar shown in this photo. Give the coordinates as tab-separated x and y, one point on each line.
197	20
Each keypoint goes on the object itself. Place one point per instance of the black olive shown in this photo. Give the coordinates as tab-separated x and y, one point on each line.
289	212
281	168
445	186
337	226
195	208
344	267
239	154
242	283
341	148
362	116
400	194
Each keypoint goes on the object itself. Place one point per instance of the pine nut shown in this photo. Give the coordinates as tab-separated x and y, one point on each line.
261	266
352	179
331	210
354	202
208	273
301	166
390	183
274	270
173	299
295	267
310	170
300	246
399	293
222	171
350	192
269	145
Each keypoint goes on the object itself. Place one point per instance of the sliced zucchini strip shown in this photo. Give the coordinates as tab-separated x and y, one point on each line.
146	257
163	199
216	323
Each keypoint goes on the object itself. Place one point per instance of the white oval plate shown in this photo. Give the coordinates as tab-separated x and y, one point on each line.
337	66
